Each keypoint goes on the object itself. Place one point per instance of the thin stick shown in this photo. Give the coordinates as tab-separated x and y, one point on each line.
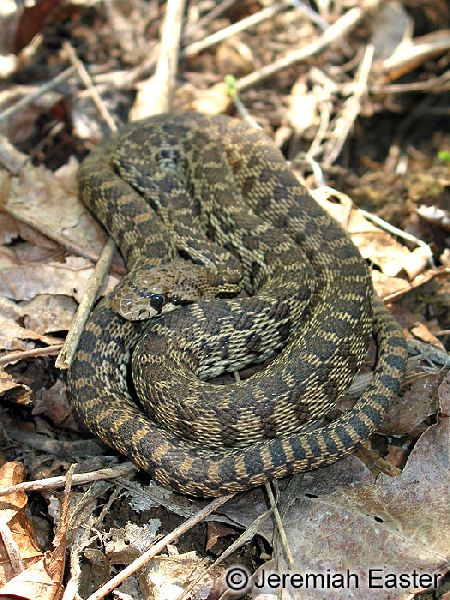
87	302
55	483
11	550
101	268
245	537
196	47
60	542
433	85
219	36
213	14
280	527
86	79
395	231
351	109
18	106
334	33
16	356
154	550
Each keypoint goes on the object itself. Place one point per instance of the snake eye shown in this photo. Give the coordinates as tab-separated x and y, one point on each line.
175	300
157	302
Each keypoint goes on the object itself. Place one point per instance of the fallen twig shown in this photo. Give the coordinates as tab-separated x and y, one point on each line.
87	302
55	483
86	79
18	106
333	34
350	110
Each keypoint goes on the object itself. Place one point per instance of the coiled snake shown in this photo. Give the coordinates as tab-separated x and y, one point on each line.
229	212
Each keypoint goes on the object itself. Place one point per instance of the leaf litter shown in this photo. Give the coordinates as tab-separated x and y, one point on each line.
309	96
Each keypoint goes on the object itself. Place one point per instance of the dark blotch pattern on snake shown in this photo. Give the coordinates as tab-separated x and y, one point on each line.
211	201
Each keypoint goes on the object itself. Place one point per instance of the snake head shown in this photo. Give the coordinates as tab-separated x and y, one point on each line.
150	292
140	304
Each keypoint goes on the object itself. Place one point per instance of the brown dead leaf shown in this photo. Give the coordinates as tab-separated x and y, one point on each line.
35	294
42	579
21	393
216	532
49	313
340	518
213	101
377	245
32	583
422	332
46	291
30	252
417	261
28	281
33	19
48	201
397	456
18	544
13	337
54	404
386	285
416	404
11	229
396	524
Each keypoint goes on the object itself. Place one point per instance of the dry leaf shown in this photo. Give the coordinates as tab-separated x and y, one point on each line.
49	313
18	545
35	582
339	519
12	336
411	55
165	578
417	403
216	532
386	285
302	107
392	29
54	404
20	393
125	545
213	101
234	56
396	525
435	215
48	200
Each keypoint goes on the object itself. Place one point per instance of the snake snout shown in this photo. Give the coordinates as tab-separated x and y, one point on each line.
136	303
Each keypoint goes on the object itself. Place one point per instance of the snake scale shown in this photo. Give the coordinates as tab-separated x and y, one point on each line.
203	206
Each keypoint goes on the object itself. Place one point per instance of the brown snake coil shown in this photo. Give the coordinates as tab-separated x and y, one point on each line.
225	198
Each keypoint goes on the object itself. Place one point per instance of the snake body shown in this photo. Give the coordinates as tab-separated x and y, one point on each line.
216	191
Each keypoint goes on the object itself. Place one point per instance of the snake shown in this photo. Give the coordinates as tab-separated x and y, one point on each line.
230	262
